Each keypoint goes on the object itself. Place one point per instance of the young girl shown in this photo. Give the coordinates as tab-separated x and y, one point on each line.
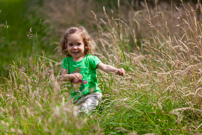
79	67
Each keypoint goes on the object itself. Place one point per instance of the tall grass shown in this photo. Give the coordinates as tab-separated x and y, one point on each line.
160	48
15	25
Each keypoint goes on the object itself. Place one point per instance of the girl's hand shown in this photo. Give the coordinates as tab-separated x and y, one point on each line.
121	72
69	77
77	76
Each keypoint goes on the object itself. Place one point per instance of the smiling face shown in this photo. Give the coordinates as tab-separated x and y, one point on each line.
75	46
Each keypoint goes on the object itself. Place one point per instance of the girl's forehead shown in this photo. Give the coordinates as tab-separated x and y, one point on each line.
74	36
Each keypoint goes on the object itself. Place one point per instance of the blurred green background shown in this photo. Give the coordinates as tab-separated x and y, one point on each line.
21	33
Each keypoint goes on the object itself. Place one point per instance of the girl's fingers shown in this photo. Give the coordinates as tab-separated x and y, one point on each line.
121	72
78	76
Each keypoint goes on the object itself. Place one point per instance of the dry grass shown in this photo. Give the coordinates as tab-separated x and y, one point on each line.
159	47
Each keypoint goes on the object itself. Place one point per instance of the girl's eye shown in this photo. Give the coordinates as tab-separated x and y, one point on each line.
70	44
79	44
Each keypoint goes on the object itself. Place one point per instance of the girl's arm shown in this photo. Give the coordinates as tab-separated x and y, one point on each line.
111	69
69	77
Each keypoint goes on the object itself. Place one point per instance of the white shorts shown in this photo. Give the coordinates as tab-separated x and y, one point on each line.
88	103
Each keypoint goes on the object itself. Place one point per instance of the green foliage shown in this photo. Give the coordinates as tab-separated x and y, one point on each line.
21	33
160	94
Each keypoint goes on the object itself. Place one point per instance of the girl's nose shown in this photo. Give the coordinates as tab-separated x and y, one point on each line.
74	47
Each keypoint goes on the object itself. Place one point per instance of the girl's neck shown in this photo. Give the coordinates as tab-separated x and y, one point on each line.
78	59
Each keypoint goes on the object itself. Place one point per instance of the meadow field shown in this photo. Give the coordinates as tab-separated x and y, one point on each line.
158	44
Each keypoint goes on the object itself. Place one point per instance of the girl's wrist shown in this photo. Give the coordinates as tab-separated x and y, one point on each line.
117	71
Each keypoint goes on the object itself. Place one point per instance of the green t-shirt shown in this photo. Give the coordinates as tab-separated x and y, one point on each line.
87	68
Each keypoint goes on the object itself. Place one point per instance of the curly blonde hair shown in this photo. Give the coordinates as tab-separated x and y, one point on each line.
88	41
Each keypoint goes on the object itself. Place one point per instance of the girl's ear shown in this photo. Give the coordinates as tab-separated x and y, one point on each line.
65	45
86	48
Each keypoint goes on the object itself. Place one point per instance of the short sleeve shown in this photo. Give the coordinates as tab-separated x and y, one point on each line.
65	63
94	61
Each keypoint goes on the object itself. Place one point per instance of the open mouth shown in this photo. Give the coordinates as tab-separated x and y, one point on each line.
76	52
